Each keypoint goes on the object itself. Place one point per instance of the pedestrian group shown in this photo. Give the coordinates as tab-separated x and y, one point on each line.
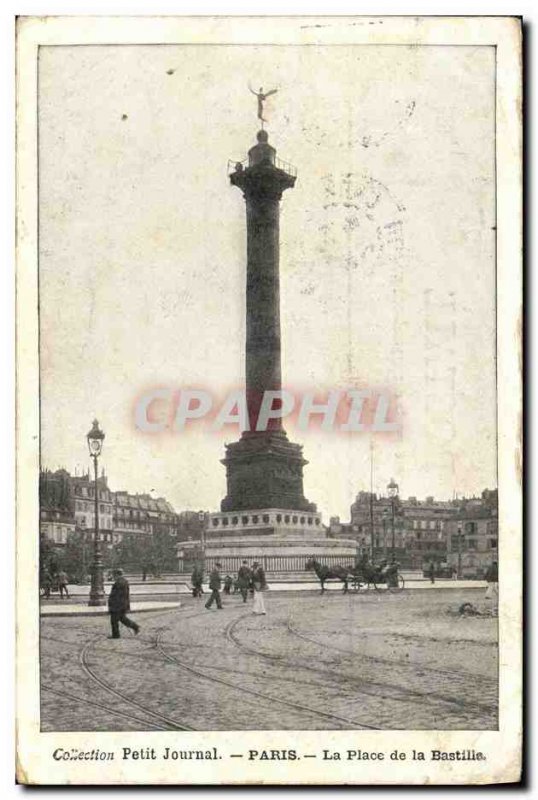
250	580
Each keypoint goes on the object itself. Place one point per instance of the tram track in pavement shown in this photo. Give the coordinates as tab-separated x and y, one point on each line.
389	661
194	670
159	721
147	656
406	695
168	722
162	722
103	707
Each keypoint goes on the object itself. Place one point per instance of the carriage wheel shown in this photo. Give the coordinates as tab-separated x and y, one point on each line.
377	587
399	586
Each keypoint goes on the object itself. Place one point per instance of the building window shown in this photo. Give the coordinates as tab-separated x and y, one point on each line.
470	527
287	518
225	520
266	518
310	520
244	520
255	518
317	520
235	520
493	544
279	517
471	544
302	520
294	519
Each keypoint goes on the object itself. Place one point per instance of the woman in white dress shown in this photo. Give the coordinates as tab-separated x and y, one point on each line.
259	584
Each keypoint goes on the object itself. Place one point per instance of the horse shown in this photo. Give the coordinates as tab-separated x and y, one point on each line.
325	573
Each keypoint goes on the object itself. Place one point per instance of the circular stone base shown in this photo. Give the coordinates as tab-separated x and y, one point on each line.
276	553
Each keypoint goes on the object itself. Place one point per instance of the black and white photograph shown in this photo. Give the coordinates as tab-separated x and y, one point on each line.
273	459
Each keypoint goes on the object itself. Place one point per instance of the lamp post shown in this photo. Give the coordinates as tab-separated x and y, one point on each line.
97	592
459	550
202	521
392	489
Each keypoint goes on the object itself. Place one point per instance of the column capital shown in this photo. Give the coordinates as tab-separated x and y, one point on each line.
262	182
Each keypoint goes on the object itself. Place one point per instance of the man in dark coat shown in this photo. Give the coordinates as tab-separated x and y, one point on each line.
214	585
63	580
197	579
244	577
118	605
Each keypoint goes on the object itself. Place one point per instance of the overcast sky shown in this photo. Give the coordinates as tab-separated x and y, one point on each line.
387	254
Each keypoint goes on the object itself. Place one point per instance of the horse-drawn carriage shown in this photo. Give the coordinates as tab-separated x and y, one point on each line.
380	577
364	575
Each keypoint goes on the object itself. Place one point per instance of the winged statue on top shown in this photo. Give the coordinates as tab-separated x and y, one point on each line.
262	97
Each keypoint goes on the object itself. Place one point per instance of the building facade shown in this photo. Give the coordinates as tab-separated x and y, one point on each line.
82	493
421	531
67	505
143	516
56	517
473	537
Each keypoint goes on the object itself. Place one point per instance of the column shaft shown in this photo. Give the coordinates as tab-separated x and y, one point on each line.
262	356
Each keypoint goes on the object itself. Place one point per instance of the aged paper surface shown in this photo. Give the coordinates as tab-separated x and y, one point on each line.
387	317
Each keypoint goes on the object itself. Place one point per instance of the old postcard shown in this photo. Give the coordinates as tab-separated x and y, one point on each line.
269	400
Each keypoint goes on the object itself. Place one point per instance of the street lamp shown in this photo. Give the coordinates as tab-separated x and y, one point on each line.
392	489
97	592
202	521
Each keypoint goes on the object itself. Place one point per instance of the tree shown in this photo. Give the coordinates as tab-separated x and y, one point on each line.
164	554
133	553
48	560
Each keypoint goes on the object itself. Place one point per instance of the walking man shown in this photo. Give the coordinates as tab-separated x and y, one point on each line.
63	580
259	584
243	580
119	605
215	584
431	571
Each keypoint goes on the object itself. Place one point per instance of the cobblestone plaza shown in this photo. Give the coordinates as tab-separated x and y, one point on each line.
358	661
